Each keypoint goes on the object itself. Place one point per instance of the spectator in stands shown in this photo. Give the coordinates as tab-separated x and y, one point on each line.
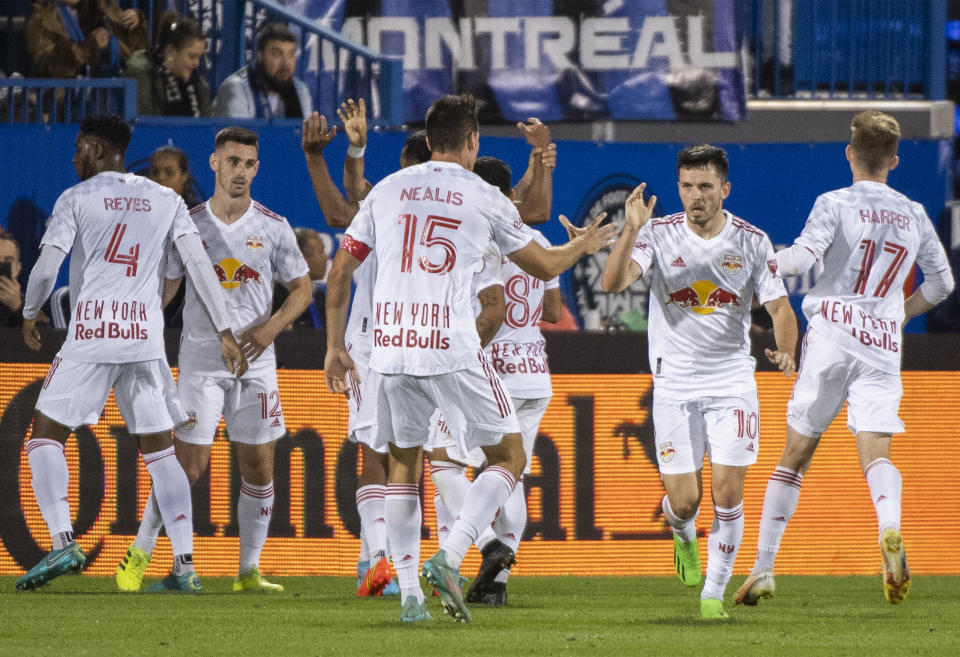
168	82
169	167
314	251
266	89
11	294
71	38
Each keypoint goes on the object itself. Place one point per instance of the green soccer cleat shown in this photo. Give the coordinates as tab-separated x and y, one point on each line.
686	559
896	574
129	573
712	609
757	585
252	581
188	583
59	562
413	611
446	581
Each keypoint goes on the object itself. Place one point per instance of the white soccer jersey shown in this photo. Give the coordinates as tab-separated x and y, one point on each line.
358	336
867	237
245	255
700	297
429	225
117	226
518	351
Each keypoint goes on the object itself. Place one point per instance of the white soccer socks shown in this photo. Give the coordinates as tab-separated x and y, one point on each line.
50	479
779	503
722	547
512	519
486	495
686	530
371	506
885	484
254	511
172	491
403	527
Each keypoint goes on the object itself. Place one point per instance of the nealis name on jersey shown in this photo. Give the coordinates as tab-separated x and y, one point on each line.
861	324
409	338
92	309
418	314
126	203
110	330
431	194
871	216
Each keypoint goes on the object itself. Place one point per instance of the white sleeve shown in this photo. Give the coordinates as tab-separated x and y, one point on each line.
554	282
62	227
934	263
821	228
509	231
793	260
767	284
287	259
490	273
642	252
43	278
200	272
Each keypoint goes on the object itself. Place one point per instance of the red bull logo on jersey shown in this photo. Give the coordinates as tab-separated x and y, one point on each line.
254	243
703	297
232	273
732	264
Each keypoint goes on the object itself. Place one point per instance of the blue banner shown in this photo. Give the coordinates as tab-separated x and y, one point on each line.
556	60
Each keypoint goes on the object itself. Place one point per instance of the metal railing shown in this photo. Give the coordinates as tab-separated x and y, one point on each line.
872	49
46	100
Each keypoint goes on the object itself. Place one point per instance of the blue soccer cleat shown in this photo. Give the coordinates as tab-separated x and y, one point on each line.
59	562
446	581
186	583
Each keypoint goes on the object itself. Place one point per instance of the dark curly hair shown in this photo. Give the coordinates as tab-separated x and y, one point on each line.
109	128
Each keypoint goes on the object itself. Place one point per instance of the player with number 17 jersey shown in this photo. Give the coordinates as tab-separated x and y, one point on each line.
867	237
427	222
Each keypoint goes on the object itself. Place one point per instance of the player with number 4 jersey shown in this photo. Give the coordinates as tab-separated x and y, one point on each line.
865	239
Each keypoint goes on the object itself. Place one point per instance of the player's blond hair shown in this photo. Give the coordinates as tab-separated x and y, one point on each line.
874	137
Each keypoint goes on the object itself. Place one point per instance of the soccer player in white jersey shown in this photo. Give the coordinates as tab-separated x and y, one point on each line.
866	238
706	266
429	225
517	351
373	567
118	227
249	245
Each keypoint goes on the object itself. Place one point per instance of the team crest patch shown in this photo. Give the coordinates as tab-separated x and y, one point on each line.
254	243
190	422
666	452
772	266
732	264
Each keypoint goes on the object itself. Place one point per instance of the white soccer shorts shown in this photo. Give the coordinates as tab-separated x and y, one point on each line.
474	403
827	377
362	407
250	407
74	394
725	428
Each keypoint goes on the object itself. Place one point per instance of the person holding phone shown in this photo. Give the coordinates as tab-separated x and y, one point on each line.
11	294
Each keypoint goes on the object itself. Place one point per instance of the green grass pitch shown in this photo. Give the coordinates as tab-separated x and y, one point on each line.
316	616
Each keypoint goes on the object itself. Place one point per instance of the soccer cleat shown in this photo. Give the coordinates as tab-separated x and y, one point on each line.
712	609
375	579
495	595
58	562
447	582
362	568
413	611
686	559
896	574
392	588
187	583
252	581
129	574
496	557
757	585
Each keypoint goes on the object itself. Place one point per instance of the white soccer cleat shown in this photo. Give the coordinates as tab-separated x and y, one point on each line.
758	585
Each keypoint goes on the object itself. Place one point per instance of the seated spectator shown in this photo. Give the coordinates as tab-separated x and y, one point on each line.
266	89
168	82
11	294
314	251
169	167
71	38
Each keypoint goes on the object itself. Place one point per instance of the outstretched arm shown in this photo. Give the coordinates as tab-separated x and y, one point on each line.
337	210
785	333
550	263
620	269
354	117
533	195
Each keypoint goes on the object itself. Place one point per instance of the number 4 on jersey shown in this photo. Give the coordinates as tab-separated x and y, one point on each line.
113	255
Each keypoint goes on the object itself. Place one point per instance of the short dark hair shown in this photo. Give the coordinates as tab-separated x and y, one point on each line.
109	128
416	146
874	137
494	171
703	156
182	160
274	32
237	134
178	31
450	121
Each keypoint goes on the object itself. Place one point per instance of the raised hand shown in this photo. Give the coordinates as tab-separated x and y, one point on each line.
315	134
596	237
354	117
636	212
535	132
